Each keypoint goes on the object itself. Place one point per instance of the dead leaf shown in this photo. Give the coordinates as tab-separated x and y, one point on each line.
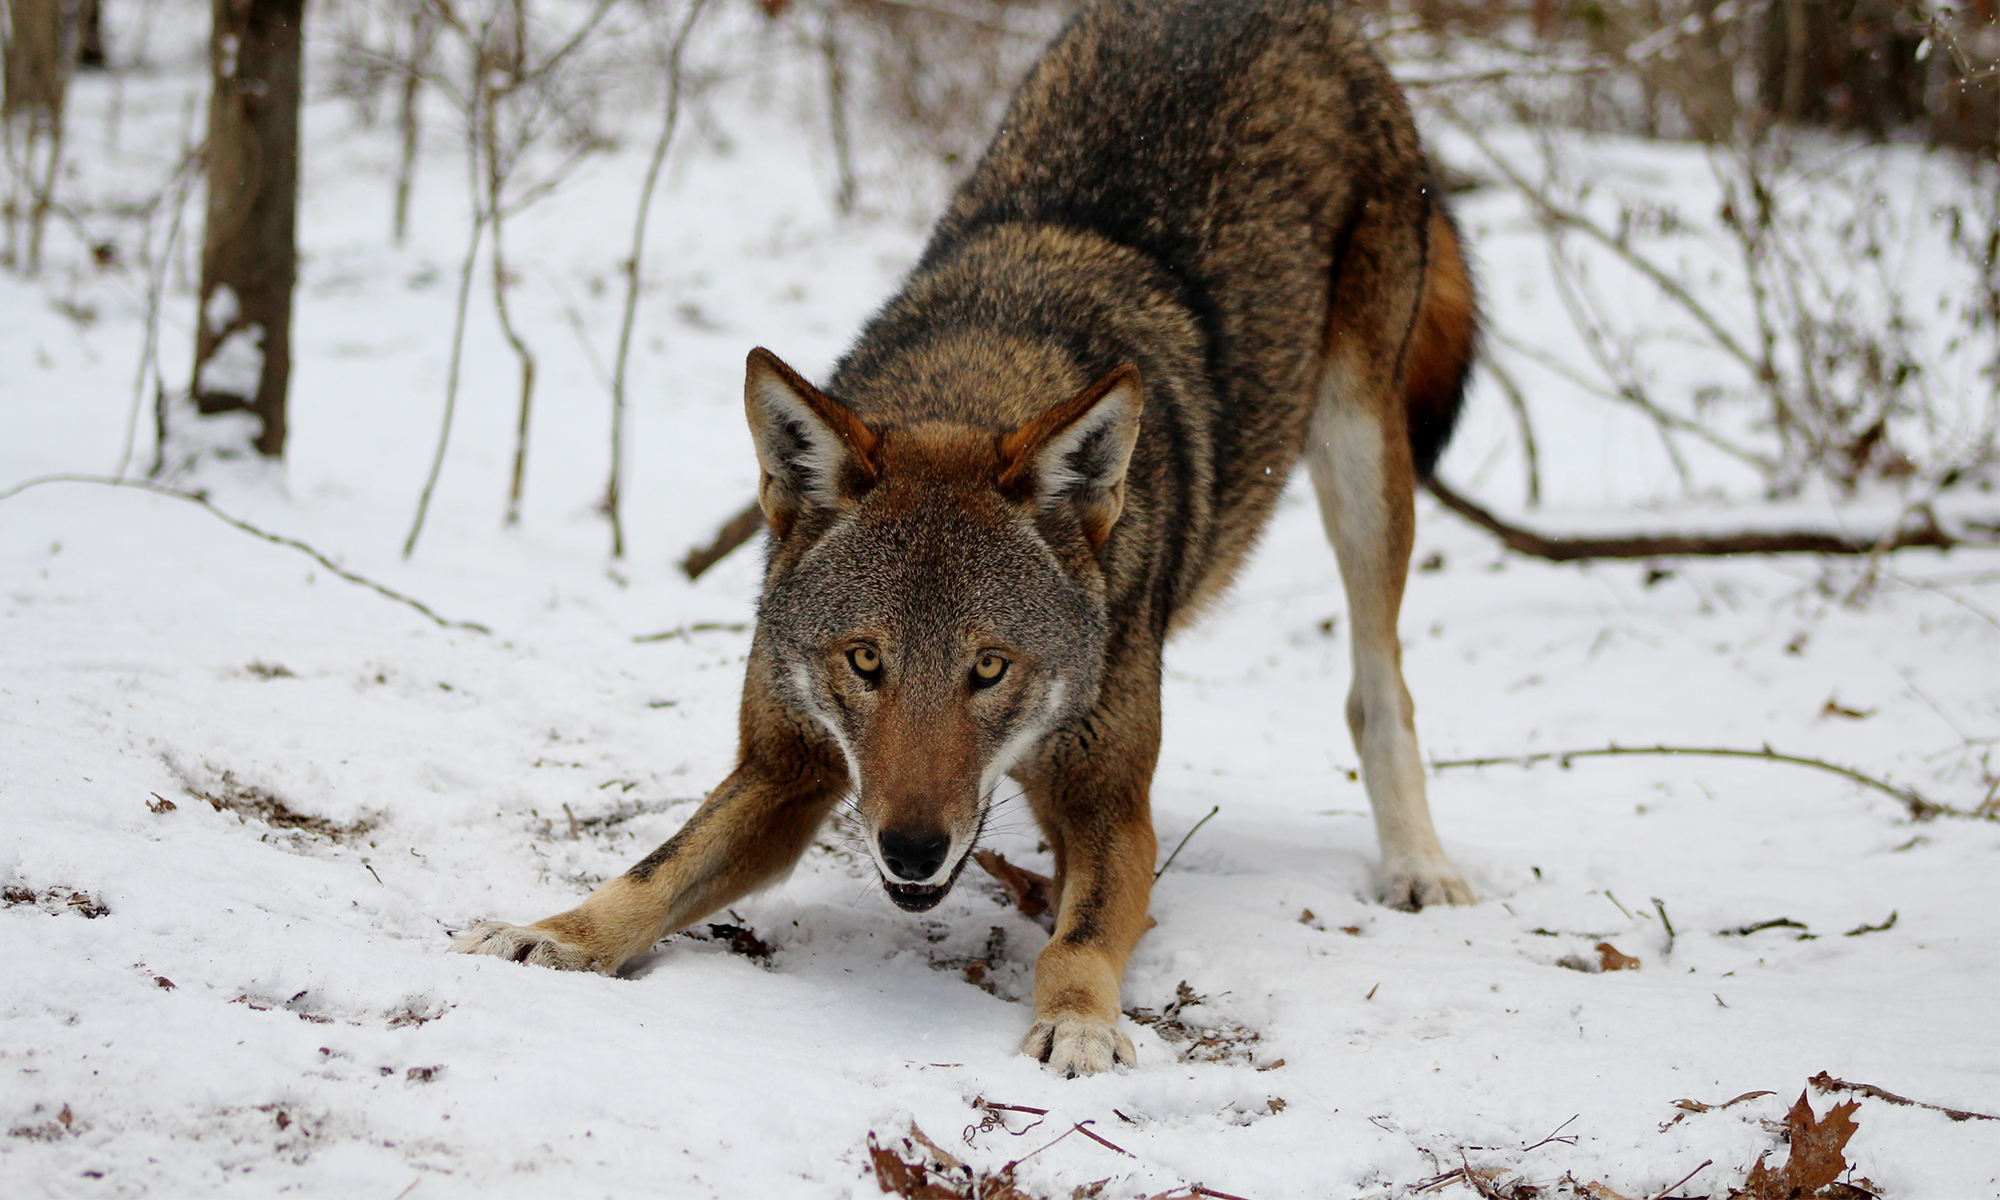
1815	1161
1030	890
1834	708
940	1153
1609	957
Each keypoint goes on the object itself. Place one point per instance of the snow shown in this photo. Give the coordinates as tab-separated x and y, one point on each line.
318	1039
237	366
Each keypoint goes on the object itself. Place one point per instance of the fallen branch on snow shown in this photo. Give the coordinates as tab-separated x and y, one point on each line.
197	498
743	526
1576	549
734	532
1824	1082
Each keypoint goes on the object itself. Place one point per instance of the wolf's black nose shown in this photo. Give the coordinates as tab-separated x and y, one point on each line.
910	855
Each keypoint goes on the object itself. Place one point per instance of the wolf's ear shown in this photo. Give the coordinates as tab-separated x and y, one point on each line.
1077	452
815	453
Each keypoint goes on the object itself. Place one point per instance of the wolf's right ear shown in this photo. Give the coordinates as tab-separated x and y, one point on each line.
815	453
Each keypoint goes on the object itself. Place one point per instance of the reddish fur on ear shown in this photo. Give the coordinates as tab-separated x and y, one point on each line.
836	460
1078	451
1019	448
858	438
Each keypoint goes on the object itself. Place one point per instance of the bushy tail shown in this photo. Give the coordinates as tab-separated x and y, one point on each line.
1443	342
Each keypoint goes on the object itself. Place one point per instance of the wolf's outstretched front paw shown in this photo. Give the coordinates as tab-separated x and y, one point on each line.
1074	1046
1412	886
528	945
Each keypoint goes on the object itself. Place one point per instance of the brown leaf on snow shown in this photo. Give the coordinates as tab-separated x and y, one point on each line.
1612	960
1030	890
1815	1162
937	1175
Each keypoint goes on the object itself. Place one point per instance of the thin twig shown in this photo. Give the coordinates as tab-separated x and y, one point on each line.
178	185
274	538
1662	1193
1518	402
1101	1141
1920	809
1556	1135
1826	1083
457	347
614	488
1554	214
1184	841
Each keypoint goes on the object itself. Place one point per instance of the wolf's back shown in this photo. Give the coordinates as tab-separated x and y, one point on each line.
1205	159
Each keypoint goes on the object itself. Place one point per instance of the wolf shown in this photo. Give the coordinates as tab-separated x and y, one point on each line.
1206	242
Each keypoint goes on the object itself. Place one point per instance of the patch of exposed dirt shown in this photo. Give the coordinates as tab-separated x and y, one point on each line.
225	793
63	1125
54	900
571	827
1216	1041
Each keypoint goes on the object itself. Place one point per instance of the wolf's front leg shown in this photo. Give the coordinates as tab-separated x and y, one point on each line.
751	830
1091	800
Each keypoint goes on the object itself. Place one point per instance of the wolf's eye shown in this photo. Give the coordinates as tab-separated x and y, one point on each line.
866	662
988	670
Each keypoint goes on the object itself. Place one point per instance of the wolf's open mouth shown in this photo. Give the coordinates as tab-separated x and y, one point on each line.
911	897
923	897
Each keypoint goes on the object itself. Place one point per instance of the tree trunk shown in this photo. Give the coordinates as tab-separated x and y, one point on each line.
243	353
31	110
90	35
1847	64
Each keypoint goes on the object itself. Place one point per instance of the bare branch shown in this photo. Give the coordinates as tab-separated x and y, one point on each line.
196	498
1576	549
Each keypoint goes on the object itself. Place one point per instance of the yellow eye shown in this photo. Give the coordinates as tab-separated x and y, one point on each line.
988	670
865	660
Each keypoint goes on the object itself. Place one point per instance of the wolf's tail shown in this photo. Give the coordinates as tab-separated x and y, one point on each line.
1443	342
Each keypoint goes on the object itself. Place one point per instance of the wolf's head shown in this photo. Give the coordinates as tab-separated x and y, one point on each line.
934	598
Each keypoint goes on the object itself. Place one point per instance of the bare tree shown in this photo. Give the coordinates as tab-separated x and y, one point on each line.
249	260
31	111
512	99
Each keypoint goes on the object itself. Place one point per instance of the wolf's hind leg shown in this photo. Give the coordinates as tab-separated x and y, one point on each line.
1359	458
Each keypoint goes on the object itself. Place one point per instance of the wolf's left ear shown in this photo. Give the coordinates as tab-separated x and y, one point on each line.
1078	452
815	453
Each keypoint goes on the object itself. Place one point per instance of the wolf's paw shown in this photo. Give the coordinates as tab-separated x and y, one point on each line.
1413	887
1074	1046
526	945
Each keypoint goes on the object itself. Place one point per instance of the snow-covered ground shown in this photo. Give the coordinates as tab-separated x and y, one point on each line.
244	803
